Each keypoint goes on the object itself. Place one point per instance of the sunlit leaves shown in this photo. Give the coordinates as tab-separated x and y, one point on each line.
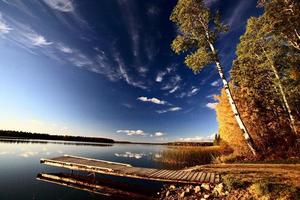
197	60
182	44
198	29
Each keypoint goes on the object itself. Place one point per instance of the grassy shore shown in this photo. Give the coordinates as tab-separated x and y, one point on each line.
258	181
187	156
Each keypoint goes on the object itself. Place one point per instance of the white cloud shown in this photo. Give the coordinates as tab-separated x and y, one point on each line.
142	69
212	105
174	89
160	76
153	11
61	5
209	138
215	84
64	48
81	60
152	100
159	134
234	20
174	80
28	154
173	109
132	132
128	10
210	2
193	91
124	73
130	155
38	40
4	28
211	96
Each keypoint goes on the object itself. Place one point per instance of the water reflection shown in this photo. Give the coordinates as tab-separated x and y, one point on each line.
130	155
138	155
26	141
100	186
20	162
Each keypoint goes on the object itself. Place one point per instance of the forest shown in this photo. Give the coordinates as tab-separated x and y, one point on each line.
43	136
258	110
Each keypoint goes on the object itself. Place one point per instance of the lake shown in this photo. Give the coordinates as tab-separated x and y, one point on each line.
19	167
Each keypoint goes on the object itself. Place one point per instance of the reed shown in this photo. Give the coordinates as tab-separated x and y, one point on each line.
187	156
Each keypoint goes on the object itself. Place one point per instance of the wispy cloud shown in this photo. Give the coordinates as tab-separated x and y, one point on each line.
215	83
159	134
130	20
61	5
212	105
160	76
130	155
63	48
132	132
211	96
4	28
152	100
37	40
153	11
191	92
142	70
210	2
174	89
125	75
209	138
194	90
172	109
236	14
173	81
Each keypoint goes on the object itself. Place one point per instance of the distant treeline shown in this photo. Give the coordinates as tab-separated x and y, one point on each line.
191	143
44	136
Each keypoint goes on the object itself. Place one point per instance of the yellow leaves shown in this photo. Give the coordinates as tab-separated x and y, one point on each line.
294	74
228	129
181	44
197	60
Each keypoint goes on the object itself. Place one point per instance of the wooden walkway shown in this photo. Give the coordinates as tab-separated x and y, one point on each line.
126	170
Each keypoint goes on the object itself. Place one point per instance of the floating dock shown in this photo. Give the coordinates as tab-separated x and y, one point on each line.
126	170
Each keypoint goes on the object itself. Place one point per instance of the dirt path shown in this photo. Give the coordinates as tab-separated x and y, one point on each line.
278	173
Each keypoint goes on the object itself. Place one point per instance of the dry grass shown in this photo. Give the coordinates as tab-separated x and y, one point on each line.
186	156
288	174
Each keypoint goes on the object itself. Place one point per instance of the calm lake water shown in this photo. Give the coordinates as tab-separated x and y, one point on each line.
19	167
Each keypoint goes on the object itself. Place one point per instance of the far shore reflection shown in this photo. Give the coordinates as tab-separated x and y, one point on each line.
27	141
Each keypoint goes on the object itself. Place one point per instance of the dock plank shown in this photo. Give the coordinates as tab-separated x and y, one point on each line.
126	170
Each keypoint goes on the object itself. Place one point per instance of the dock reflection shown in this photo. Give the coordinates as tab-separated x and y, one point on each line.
102	187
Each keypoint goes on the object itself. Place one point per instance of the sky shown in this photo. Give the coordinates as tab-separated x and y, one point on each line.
105	68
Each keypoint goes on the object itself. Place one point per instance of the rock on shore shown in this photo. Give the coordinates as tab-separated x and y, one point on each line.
202	192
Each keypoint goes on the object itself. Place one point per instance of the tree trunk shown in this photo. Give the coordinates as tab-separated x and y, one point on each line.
282	93
286	104
235	111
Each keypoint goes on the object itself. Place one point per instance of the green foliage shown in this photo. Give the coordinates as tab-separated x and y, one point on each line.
198	29
217	140
283	19
232	183
197	60
182	44
261	187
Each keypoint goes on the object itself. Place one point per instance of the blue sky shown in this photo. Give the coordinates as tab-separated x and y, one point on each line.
105	68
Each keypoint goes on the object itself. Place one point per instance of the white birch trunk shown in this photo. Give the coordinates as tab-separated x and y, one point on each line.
282	93
234	109
285	102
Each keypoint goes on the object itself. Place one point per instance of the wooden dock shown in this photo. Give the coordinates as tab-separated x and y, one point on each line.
126	170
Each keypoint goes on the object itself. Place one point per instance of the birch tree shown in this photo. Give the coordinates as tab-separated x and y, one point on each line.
283	19
267	47
198	32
